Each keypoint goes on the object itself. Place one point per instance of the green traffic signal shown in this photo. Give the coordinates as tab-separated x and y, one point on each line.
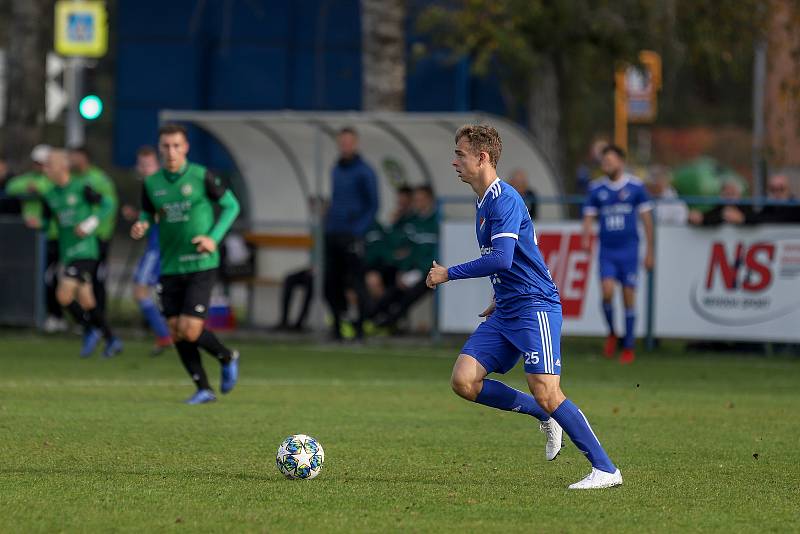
90	107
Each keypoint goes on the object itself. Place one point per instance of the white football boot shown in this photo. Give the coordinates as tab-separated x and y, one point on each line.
598	479
555	438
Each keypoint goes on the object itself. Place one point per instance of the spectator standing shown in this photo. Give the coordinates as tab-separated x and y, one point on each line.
353	206
669	209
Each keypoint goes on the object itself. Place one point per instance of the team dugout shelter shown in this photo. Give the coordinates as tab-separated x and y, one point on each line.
284	160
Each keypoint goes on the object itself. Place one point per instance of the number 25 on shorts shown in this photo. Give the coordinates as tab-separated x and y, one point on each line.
531	358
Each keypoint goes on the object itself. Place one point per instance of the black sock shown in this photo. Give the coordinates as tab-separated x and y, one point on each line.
78	314
190	357
211	344
98	320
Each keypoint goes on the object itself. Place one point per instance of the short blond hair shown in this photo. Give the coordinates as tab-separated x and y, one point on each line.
482	138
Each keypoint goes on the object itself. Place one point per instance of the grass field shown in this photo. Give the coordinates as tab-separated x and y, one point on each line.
99	446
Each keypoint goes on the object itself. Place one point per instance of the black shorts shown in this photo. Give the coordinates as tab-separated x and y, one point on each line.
81	270
186	294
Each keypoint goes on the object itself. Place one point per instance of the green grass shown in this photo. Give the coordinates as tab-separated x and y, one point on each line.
93	445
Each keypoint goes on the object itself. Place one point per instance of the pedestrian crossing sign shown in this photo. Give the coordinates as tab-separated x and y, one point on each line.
81	28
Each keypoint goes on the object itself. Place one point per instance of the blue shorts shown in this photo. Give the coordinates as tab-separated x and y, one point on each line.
498	344
148	269
620	264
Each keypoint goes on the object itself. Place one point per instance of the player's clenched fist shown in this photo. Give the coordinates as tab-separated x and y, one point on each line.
139	229
204	243
437	275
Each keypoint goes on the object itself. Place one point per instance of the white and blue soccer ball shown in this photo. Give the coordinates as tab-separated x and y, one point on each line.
300	457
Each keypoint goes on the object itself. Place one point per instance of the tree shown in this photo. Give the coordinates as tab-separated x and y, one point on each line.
555	60
29	39
383	54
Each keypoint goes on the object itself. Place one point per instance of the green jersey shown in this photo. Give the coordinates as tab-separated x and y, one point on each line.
377	250
422	232
183	205
100	182
30	185
69	206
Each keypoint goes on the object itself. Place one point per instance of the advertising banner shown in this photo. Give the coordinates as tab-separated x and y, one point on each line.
729	283
573	269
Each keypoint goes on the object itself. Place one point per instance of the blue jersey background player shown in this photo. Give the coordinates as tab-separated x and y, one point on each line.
524	318
617	201
145	278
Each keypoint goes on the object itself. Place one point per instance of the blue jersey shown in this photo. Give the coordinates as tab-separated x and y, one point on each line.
617	205
152	239
527	284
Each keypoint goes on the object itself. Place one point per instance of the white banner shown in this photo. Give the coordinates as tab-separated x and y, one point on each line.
730	283
574	271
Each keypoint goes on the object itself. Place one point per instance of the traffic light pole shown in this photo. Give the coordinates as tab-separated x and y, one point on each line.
73	82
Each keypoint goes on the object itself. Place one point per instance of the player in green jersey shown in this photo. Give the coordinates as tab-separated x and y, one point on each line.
73	205
82	169
180	197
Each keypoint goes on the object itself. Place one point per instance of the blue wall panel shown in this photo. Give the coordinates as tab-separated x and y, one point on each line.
260	54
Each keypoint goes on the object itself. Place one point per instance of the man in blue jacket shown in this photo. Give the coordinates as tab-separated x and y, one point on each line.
353	206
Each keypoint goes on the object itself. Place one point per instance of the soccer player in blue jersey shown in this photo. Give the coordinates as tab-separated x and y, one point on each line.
145	278
524	318
618	200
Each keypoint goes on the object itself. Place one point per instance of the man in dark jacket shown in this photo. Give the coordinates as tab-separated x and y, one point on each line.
353	206
778	190
726	212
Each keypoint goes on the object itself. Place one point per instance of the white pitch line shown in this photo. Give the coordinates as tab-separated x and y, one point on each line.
247	383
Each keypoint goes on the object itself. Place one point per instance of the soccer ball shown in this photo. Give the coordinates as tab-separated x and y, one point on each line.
300	456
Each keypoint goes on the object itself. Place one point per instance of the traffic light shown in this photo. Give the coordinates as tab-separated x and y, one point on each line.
90	107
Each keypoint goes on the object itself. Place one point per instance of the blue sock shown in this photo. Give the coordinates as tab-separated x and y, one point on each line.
154	318
608	311
500	396
630	320
577	428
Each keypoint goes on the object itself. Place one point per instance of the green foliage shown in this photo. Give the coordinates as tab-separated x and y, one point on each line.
706	47
107	446
713	35
514	35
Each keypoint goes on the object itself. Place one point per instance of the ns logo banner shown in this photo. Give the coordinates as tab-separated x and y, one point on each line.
748	283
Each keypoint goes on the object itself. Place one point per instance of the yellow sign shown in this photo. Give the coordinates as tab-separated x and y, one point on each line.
642	86
636	94
81	28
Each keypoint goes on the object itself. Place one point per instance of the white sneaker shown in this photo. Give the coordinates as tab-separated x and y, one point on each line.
555	439
599	479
